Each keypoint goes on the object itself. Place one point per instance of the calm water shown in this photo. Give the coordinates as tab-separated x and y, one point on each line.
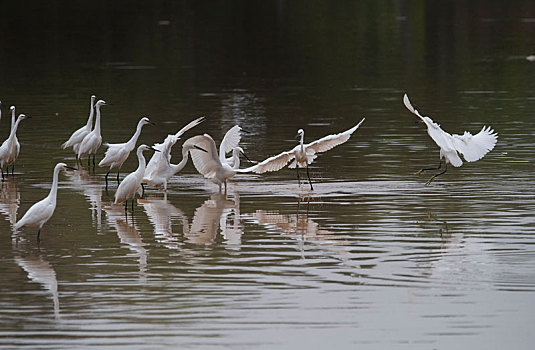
371	258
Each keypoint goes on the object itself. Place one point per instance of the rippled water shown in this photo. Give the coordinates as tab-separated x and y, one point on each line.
372	257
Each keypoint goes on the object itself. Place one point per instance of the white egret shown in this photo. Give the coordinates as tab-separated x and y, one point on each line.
42	211
92	141
303	154
16	144
76	138
8	147
472	147
159	169
230	141
132	182
212	166
117	153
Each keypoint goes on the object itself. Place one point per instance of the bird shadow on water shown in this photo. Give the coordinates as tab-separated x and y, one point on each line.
9	199
39	270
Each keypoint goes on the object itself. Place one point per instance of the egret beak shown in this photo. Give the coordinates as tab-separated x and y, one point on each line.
70	167
152	123
250	161
245	131
28	116
200	149
154	149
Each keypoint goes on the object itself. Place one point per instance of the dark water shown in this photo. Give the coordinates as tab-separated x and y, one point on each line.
371	258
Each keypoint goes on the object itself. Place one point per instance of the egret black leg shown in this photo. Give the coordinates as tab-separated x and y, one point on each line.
106	177
125	206
424	169
132	206
117	177
436	175
309	181
39	235
94	155
2	169
142	190
298	178
13	169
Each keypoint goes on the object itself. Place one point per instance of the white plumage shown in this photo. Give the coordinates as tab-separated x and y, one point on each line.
77	136
303	154
132	182
42	211
8	149
117	153
92	141
159	169
212	166
472	147
16	144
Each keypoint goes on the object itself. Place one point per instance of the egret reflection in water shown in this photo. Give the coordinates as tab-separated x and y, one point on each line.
9	200
91	187
128	233
40	271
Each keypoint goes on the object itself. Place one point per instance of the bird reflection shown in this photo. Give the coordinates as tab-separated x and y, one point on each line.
212	215
128	234
161	214
9	200
91	188
39	270
292	224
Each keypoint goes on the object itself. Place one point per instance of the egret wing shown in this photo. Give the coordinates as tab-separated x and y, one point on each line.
474	147
273	163
330	141
205	162
190	125
230	141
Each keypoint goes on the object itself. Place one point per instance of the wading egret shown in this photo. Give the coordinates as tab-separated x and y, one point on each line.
42	211
117	153
159	169
132	182
303	154
8	153
212	166
76	138
472	147
92	141
16	144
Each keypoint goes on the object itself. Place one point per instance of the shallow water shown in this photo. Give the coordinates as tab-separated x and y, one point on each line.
370	257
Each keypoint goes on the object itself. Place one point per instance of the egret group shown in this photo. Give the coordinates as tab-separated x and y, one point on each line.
214	165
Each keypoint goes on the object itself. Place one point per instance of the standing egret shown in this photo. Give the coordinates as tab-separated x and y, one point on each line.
303	154
472	147
77	136
16	144
131	183
159	169
7	149
92	141
212	166
42	211
117	153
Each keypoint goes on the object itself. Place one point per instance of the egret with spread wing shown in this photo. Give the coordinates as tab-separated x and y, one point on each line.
117	153
303	154
472	147
210	164
159	169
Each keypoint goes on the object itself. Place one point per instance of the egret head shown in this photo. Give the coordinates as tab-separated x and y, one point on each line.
23	116
300	133
146	148
64	166
100	103
239	151
145	120
12	108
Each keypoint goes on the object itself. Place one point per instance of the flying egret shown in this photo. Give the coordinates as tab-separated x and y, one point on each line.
7	150
42	211
117	153
129	187
212	166
303	154
92	141
159	169
472	147
76	138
